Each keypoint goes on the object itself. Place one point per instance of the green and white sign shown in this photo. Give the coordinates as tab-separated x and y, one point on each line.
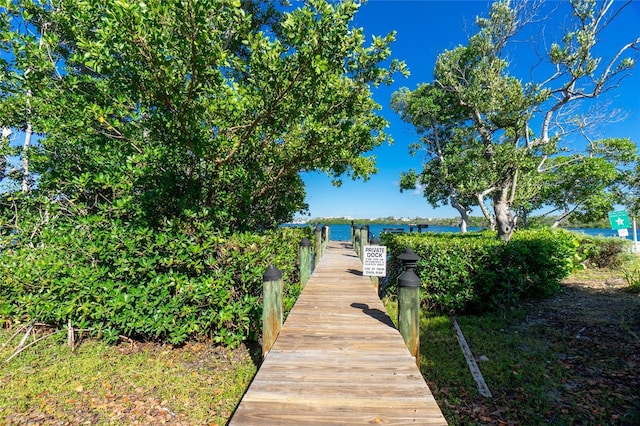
619	220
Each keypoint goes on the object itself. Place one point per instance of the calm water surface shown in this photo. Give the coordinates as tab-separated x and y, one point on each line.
343	232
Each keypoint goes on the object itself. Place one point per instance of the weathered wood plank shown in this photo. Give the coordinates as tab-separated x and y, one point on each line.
342	413
338	359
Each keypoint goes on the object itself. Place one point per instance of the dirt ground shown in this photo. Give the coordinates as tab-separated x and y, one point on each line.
600	323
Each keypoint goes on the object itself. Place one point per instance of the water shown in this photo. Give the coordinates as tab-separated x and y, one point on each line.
343	232
602	232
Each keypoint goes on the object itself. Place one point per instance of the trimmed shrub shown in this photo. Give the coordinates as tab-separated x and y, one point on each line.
182	281
475	272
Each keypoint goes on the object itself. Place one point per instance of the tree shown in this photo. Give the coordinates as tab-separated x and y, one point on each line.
585	187
150	110
474	94
629	190
451	174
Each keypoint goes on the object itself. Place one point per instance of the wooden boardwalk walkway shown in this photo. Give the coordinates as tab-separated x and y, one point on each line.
338	359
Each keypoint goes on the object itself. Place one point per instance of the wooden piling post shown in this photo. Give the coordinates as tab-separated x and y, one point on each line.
375	280
317	245
356	240
305	261
272	311
325	238
409	304
353	234
364	237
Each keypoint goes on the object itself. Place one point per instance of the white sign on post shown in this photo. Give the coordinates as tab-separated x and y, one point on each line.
374	262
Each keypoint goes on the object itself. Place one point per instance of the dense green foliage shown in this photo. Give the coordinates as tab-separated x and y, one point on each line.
475	272
181	281
168	133
150	110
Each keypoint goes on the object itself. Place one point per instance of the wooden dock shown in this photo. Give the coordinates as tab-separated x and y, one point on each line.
338	359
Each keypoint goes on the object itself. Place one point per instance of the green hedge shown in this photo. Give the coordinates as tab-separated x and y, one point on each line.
475	272
180	282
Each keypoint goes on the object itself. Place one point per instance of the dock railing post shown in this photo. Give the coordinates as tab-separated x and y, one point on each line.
356	240
409	304
317	246
325	238
374	279
305	261
271	308
364	237
353	234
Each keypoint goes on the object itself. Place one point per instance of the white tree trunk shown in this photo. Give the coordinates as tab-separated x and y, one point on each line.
464	214
485	210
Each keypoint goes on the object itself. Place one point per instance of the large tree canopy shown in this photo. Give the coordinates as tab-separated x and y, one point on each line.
488	135
152	109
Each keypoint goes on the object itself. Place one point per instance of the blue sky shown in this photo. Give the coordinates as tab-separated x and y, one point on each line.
425	28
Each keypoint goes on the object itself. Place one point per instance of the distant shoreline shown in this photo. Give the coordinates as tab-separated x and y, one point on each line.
474	221
341	231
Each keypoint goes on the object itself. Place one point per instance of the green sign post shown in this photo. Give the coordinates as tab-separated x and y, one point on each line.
619	220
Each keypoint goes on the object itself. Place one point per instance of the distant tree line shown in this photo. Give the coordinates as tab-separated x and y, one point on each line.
473	222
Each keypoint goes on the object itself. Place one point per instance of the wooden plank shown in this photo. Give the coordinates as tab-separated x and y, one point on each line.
338	359
471	361
345	413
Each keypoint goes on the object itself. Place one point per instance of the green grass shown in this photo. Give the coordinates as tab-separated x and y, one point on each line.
125	384
631	274
517	368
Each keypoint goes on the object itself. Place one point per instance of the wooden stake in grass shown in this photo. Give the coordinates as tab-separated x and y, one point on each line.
71	337
471	361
